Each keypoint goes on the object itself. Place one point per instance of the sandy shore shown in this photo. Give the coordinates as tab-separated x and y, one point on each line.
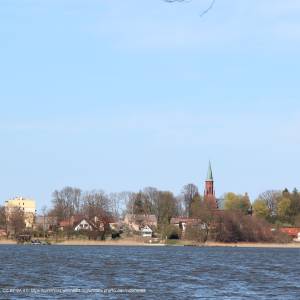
122	242
7	242
133	242
127	242
253	245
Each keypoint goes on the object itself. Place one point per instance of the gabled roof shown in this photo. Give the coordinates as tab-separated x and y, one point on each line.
146	229
85	219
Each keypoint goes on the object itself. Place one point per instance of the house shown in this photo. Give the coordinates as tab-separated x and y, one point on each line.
84	224
69	223
136	222
27	206
46	223
80	222
105	222
146	231
297	239
291	231
3	233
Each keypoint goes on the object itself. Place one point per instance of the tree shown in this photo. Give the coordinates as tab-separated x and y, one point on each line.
202	212
3	222
152	200
237	202
66	203
196	206
16	220
237	227
139	205
260	208
115	202
166	207
144	202
162	204
44	214
271	198
284	210
295	203
96	204
189	191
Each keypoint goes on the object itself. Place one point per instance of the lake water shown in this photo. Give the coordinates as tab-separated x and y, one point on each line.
96	272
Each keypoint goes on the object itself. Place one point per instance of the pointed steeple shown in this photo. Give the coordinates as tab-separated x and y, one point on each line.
209	192
209	173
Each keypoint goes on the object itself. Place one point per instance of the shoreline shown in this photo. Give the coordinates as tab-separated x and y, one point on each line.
136	243
292	245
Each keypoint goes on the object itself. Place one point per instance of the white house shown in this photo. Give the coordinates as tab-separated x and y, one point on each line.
135	222
84	224
146	231
298	238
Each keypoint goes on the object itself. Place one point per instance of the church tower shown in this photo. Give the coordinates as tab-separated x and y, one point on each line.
209	193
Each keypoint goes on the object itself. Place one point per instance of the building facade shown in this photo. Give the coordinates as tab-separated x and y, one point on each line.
27	206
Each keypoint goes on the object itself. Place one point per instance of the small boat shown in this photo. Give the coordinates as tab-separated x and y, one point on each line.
36	242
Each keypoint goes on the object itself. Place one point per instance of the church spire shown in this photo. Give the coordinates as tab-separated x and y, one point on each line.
209	173
209	193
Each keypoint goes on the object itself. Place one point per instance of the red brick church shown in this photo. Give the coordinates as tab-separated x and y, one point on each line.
209	198
209	192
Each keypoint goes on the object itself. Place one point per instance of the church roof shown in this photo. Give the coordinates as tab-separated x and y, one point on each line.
209	173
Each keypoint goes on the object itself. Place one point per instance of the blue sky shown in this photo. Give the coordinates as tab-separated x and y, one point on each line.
119	95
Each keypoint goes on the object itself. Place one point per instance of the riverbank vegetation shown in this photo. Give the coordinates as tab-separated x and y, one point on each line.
237	219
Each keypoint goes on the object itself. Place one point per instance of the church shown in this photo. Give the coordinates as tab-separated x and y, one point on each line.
209	192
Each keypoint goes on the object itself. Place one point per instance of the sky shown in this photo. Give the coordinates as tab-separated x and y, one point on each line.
120	95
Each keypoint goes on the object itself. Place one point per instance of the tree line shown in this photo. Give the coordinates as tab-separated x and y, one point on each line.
240	219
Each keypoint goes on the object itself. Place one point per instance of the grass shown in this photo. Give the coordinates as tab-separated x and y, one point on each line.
181	243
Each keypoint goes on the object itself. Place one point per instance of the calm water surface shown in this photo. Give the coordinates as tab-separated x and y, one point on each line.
164	272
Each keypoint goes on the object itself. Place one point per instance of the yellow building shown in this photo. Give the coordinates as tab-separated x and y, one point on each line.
26	205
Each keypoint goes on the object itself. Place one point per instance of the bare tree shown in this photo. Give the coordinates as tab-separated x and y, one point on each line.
16	220
125	203
66	203
44	213
96	204
271	198
3	219
119	202
189	191
180	205
130	205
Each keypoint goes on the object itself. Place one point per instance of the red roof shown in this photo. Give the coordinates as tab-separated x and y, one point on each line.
291	231
71	221
65	223
2	232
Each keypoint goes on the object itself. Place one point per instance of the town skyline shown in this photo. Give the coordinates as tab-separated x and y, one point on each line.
118	96
149	149
207	189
